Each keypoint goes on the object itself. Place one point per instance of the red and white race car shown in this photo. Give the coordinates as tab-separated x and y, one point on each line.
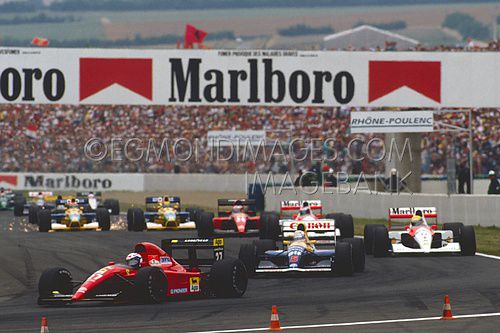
158	277
310	214
410	231
237	220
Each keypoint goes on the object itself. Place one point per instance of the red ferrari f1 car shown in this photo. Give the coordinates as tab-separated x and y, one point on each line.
236	220
158	276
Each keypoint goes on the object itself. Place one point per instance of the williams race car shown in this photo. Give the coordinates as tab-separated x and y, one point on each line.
237	220
73	214
151	275
162	213
417	235
307	246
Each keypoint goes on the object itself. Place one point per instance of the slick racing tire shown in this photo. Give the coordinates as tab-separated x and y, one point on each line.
103	218
113	205
468	241
19	203
56	279
248	257
44	220
269	226
228	278
33	214
194	213
342	260
135	219
456	228
205	225
368	236
151	285
343	222
381	242
358	253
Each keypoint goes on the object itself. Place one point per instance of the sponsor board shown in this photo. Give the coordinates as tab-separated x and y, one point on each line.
249	77
392	122
233	138
74	181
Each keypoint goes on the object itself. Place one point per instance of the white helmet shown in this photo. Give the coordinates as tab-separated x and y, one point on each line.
299	235
134	260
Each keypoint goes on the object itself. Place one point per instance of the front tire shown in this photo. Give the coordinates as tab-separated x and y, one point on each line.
44	220
368	236
205	225
228	278
19	203
151	285
358	253
33	214
135	219
381	242
56	279
113	205
456	228
468	241
342	261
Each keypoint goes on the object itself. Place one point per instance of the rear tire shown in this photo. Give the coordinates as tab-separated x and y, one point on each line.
381	242
33	214
135	219
342	261
358	253
368	233
468	241
103	218
228	278
44	220
269	226
113	205
205	225
193	214
248	257
343	222
151	285
19	203
55	279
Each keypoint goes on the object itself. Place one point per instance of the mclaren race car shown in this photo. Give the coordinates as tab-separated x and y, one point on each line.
306	246
417	235
156	277
73	214
162	213
237	220
96	201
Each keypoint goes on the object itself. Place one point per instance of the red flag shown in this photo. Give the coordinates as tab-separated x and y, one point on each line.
38	41
193	35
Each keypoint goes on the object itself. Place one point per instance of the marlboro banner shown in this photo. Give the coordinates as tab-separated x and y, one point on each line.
249	77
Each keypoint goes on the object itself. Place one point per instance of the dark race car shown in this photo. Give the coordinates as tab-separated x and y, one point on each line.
158	278
236	220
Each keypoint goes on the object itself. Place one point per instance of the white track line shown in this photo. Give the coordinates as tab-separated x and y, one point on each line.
352	323
487	255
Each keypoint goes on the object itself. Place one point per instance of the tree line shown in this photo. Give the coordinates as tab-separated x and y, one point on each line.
467	26
303	29
39	18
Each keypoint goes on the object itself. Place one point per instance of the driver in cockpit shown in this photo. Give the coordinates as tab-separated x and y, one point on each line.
417	219
305	210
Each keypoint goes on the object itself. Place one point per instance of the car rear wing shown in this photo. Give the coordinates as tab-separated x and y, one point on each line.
232	202
403	215
321	231
80	201
97	194
159	199
193	246
36	194
295	205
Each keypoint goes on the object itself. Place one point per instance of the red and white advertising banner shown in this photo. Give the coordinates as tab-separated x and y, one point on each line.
250	77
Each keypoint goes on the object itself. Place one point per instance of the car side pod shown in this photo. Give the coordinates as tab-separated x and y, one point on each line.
447	315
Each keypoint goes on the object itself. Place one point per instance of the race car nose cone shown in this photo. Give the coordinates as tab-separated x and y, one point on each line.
77	296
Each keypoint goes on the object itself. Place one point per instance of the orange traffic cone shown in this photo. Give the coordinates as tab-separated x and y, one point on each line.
45	327
275	320
447	309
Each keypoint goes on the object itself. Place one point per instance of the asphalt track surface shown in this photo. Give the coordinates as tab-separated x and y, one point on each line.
390	288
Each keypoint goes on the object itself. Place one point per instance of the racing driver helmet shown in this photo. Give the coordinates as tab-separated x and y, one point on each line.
416	220
134	260
299	235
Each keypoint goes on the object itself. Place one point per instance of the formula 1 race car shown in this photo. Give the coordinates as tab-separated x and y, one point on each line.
9	199
418	236
236	221
73	214
157	278
162	213
37	201
95	201
310	212
305	250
